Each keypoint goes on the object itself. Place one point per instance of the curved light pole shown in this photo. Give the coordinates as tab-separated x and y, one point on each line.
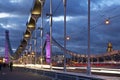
88	51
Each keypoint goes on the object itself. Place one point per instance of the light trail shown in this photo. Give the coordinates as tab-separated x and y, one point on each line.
105	71
97	70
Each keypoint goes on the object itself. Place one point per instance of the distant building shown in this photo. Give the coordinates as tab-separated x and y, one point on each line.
58	58
109	48
1	59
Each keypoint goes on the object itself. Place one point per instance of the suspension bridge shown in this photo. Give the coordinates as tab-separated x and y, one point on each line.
28	57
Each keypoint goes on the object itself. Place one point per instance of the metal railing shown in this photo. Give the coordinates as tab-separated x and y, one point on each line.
58	75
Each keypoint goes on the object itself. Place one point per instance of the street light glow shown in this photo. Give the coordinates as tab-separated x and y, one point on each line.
107	21
67	37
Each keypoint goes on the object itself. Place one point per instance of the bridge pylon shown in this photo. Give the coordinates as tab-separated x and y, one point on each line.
8	49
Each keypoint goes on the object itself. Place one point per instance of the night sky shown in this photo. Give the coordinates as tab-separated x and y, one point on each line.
14	15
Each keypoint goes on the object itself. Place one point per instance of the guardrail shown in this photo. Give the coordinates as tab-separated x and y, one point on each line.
58	75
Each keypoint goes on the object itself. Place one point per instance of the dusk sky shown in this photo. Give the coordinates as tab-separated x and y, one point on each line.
14	15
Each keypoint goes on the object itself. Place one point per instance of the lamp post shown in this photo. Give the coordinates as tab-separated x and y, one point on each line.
51	34
41	30
67	39
41	34
64	2
35	46
30	45
88	51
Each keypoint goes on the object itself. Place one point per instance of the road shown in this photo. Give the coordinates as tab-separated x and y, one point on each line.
105	73
6	74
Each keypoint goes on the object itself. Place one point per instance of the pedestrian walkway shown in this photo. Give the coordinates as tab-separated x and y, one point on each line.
6	74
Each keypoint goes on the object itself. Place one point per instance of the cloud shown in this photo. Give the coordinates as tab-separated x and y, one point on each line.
15	13
4	15
16	6
15	1
8	26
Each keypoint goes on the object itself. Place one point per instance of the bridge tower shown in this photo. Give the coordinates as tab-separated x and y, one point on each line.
109	48
8	49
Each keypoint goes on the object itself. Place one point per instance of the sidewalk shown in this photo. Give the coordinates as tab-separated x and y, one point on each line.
5	74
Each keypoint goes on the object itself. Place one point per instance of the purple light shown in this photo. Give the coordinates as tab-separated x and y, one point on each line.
6	47
48	60
48	56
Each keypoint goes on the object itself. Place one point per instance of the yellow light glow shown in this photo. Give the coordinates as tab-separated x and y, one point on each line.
26	35
107	21
0	60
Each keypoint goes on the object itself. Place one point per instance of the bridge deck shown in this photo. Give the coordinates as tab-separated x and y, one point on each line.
5	74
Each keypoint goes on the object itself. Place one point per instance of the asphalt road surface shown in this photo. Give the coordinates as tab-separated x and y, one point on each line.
6	74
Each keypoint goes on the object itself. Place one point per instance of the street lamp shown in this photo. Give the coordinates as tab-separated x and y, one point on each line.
64	2
67	37
88	51
41	35
51	34
107	21
41	29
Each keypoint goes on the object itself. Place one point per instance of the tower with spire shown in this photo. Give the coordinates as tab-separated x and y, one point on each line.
109	48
